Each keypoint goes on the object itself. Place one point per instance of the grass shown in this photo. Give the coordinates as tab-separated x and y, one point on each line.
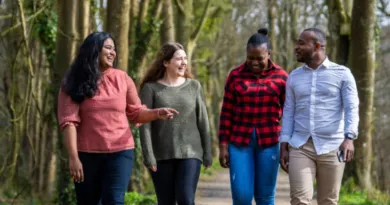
209	173
135	198
350	194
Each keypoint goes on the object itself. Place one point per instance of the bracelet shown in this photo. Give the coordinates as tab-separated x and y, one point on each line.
158	113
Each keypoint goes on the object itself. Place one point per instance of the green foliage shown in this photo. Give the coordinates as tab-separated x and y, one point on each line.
66	196
45	29
351	194
138	179
134	198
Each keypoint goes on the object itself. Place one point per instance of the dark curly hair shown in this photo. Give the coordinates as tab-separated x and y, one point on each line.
81	80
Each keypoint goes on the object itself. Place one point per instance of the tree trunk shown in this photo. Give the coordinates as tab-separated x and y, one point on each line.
65	50
191	42
183	20
272	29
294	11
144	33
167	30
285	33
93	15
363	65
83	19
66	37
339	29
118	12
134	9
103	16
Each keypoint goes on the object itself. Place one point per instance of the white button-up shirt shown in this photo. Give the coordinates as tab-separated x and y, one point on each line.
320	103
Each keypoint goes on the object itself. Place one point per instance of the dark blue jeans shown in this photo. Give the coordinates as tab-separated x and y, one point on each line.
253	172
176	180
106	176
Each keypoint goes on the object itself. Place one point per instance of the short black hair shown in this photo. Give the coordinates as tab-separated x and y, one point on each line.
259	39
319	34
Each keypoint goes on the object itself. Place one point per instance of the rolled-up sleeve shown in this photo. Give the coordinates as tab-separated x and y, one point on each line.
350	98
226	116
67	110
288	113
133	102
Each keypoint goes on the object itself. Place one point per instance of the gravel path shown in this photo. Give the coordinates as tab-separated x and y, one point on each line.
216	191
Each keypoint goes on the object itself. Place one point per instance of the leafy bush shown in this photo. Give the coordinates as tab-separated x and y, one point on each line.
135	198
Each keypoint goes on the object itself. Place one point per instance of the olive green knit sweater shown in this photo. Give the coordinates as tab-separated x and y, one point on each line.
187	134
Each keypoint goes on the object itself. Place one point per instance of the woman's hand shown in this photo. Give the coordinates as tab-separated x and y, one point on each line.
206	167
284	156
76	169
224	155
166	113
153	168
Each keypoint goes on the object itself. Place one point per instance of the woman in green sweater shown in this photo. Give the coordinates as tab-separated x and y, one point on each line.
175	149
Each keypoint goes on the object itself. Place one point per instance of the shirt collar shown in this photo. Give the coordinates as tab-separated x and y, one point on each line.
324	64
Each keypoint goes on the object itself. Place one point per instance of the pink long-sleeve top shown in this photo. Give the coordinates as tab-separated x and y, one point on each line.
102	122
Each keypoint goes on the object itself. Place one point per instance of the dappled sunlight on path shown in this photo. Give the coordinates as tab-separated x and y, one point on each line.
216	191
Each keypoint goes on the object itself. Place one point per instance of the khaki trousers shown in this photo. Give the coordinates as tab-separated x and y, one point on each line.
305	166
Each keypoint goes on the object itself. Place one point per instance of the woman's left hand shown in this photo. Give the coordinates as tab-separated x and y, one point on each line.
166	113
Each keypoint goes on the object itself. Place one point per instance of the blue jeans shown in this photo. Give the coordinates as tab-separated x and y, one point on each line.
253	172
176	180
106	176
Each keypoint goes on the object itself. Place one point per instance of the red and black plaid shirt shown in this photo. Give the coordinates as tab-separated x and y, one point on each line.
252	102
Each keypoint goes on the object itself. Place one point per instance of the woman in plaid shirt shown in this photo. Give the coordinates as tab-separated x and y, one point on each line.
250	124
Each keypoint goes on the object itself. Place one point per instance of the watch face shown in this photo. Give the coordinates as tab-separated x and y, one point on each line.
349	136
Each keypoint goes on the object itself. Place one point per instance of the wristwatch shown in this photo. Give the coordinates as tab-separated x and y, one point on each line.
350	136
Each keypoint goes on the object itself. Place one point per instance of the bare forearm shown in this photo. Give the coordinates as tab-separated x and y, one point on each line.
70	140
147	115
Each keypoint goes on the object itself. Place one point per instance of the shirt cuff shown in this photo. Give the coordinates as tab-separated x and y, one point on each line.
284	138
133	113
64	125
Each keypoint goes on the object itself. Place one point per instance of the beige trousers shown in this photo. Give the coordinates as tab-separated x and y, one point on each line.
305	166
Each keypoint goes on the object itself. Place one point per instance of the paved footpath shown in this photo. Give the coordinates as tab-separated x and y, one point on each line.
216	191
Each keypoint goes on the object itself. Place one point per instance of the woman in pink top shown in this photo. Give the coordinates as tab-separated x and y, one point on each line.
96	102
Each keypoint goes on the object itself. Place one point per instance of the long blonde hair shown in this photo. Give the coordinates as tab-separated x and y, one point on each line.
157	69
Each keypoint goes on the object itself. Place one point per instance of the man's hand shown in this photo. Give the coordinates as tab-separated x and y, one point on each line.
284	156
348	149
224	156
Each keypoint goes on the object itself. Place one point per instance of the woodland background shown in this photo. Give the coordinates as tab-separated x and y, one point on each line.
39	38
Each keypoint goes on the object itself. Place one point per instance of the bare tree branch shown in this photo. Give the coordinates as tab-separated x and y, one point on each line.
343	15
180	6
143	11
25	37
196	32
6	16
19	24
382	7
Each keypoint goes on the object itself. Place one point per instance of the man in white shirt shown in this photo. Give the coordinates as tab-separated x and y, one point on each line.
320	121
